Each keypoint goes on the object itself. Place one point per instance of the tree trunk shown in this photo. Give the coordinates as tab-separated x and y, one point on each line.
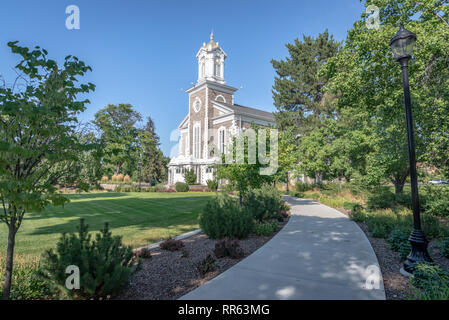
398	187
9	261
117	168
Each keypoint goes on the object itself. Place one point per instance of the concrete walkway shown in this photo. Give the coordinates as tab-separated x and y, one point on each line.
319	254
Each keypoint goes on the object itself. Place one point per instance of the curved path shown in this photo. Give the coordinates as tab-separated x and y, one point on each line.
319	254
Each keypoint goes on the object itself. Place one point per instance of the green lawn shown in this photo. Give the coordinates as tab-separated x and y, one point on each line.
141	218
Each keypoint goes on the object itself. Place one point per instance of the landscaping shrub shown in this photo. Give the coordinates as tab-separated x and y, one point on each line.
381	198
181	187
172	244
104	179
398	241
144	253
431	282
436	200
127	179
212	185
105	264
265	228
228	248
190	177
301	186
357	214
444	246
264	204
223	217
206	265
27	282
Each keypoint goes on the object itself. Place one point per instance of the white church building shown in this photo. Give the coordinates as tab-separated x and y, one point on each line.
212	118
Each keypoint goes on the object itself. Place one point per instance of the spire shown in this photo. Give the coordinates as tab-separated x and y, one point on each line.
212	35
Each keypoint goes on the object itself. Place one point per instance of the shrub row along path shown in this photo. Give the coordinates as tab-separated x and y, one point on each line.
319	254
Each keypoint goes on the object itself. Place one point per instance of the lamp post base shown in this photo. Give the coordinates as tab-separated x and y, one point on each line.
419	251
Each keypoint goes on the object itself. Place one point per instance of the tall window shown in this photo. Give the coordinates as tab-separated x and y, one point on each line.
196	141
217	67
221	140
202	68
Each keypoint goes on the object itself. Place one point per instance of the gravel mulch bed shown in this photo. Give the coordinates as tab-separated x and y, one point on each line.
170	275
397	287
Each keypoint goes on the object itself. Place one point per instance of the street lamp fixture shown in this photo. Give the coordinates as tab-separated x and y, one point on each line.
402	45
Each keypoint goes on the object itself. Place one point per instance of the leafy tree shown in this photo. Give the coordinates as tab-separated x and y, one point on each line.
368	84
119	135
37	134
246	173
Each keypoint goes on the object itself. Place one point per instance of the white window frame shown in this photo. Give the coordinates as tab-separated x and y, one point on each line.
222	139
197	140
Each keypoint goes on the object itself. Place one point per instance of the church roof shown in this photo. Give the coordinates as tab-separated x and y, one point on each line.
248	111
212	44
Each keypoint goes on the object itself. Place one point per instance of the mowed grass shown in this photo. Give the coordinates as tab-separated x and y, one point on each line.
140	218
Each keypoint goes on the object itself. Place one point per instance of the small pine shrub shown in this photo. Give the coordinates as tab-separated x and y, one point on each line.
398	241
228	248
265	228
105	264
143	253
223	217
172	245
212	185
104	179
206	265
127	179
181	187
190	177
119	177
114	178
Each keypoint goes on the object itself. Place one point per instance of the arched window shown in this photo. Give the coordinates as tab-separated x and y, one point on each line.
220	98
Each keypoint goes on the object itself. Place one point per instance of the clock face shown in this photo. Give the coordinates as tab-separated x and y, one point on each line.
197	105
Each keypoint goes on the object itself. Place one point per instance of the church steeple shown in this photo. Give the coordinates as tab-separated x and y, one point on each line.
211	59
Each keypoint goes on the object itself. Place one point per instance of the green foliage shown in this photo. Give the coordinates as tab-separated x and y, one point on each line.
228	248
302	187
398	241
206	265
119	135
38	143
190	177
444	246
431	282
28	283
153	164
265	228
104	263
223	217
436	200
240	171
212	185
264	204
181	187
172	244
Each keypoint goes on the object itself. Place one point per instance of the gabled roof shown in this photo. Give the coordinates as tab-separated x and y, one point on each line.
247	111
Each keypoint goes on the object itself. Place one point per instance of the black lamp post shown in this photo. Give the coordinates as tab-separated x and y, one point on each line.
140	175
402	46
287	185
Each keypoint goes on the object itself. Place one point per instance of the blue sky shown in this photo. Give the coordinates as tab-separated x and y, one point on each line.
143	51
